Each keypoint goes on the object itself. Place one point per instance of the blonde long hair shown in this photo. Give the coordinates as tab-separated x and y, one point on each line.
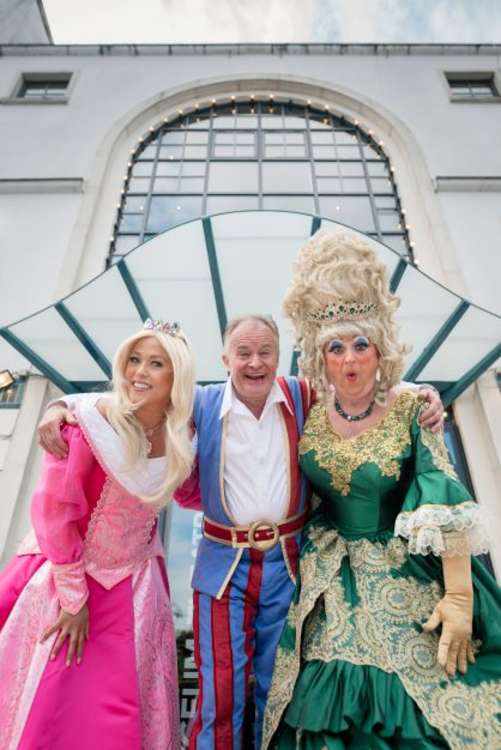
341	267
121	411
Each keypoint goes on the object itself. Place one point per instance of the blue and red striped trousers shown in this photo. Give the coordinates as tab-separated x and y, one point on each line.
234	636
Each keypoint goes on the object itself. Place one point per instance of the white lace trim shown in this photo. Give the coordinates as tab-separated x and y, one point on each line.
444	530
142	480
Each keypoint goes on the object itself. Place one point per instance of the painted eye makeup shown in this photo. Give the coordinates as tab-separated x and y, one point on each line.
335	346
361	343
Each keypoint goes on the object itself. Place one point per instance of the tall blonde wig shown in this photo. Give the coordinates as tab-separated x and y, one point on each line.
337	268
121	411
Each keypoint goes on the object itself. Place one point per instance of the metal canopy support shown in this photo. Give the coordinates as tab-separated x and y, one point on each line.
436	342
215	275
40	363
397	274
468	378
133	290
84	338
316	223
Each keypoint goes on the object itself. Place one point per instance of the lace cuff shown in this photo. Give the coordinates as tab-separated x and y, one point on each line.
444	530
71	586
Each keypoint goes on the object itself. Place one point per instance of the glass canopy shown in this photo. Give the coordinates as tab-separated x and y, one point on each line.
206	271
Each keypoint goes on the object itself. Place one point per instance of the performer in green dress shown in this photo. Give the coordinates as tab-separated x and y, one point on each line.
393	639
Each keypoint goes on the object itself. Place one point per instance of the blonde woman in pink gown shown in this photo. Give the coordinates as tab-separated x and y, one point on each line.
87	644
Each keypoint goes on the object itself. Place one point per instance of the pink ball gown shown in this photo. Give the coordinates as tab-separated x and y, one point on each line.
94	541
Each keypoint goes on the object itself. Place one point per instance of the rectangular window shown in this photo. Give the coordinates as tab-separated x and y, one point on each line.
44	86
472	86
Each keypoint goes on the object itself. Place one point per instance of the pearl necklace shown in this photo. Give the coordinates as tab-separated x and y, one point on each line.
353	417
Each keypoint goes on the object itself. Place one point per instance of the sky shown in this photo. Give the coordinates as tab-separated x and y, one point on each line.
238	21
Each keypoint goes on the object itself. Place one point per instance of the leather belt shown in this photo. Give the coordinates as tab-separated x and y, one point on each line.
261	535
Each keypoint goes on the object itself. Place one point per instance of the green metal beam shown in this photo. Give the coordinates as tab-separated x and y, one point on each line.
53	375
436	342
397	274
87	342
468	378
215	275
316	223
133	290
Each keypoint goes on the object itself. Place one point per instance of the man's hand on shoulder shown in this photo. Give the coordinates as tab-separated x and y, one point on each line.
433	417
49	429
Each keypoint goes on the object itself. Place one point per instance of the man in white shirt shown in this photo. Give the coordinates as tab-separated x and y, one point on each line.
255	505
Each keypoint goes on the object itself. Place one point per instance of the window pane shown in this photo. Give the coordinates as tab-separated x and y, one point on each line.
197	137
324	152
354	185
234	177
170	152
389	221
131	223
224	151
247	121
135	204
322	138
167	211
287	178
348	152
165	184
142	168
220	203
195	152
174	137
194	169
149	152
139	184
354	211
191	185
380	185
223	122
247	138
303	203
377	168
329	185
297	152
327	169
124	244
345	139
272	152
274	138
352	169
169	168
396	242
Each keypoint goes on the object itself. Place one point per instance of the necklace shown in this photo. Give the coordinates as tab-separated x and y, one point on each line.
148	433
353	417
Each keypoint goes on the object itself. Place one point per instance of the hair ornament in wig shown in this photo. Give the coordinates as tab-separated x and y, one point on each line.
340	289
342	311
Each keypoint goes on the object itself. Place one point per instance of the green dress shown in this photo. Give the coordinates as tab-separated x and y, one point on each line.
354	668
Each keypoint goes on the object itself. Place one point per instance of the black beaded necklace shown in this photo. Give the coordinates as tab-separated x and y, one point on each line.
353	417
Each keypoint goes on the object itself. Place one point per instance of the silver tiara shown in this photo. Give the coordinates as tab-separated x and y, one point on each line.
172	329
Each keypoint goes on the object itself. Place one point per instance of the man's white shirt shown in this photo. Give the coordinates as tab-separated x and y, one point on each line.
256	481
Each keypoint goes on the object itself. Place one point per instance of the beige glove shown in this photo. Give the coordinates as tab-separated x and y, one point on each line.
455	613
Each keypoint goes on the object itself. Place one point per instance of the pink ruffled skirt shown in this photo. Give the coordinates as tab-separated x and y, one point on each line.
123	695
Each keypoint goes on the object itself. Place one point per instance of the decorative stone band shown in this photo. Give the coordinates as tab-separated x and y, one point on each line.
71	586
444	530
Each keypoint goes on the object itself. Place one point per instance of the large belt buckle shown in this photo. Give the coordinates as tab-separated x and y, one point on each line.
263	545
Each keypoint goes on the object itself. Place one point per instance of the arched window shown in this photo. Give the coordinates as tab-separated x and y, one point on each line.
259	155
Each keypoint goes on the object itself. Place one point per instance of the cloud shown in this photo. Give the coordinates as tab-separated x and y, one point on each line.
173	21
389	21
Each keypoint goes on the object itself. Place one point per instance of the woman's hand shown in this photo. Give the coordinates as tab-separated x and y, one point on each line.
73	627
49	430
455	613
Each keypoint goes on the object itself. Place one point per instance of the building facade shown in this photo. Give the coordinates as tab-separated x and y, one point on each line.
104	148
